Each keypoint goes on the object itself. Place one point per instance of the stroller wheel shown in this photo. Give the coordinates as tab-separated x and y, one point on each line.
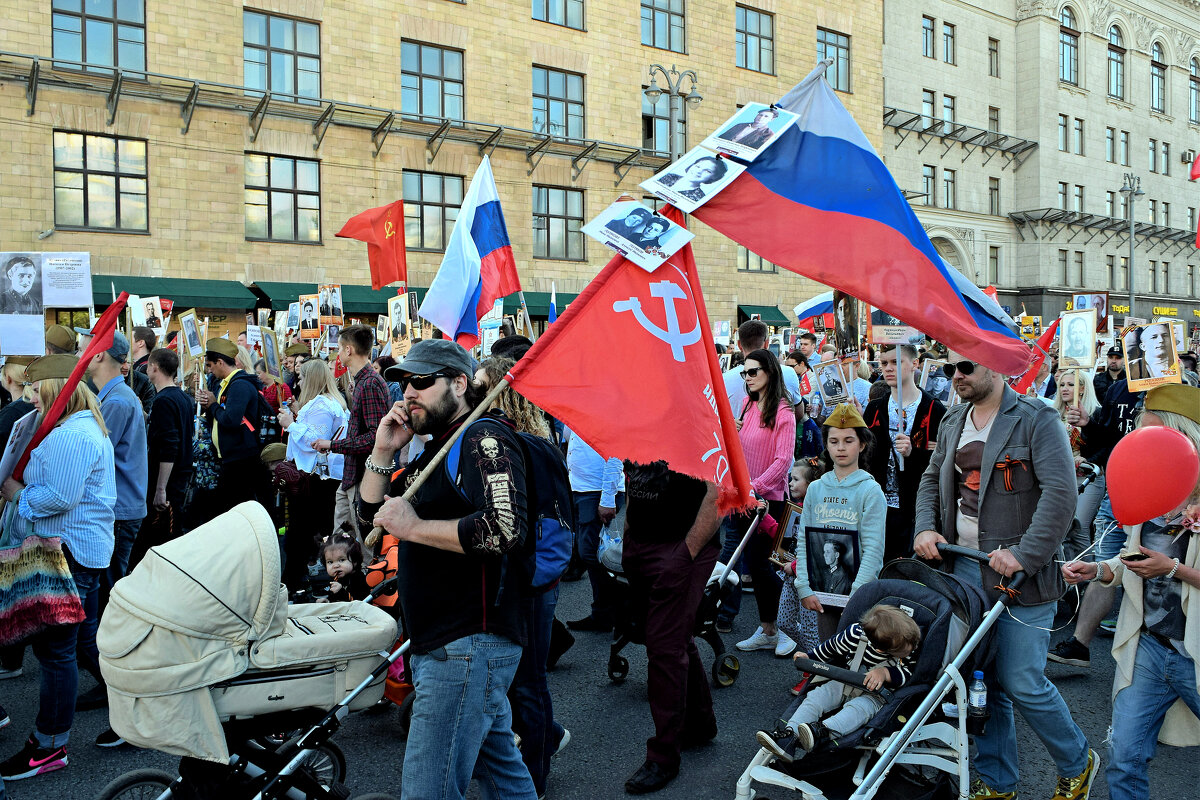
141	784
406	709
618	668
725	670
327	765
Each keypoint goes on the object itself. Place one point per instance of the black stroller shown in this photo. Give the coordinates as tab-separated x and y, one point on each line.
909	749
631	618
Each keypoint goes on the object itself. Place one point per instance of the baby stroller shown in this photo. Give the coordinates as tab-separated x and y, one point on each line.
909	749
631	618
205	659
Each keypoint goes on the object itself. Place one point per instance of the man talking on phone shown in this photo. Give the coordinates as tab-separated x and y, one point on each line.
1001	480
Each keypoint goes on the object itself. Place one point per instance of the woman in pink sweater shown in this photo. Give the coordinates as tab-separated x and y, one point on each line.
767	429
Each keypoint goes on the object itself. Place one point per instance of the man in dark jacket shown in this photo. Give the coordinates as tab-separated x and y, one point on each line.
921	417
1113	372
232	412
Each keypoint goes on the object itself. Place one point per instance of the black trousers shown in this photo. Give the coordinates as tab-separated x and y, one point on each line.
240	481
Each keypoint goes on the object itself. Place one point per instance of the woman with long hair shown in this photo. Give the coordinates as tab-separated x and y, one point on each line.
524	415
68	493
322	415
276	392
1083	449
1157	641
767	430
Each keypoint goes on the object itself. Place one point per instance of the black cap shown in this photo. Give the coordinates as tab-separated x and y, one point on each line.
1114	351
432	355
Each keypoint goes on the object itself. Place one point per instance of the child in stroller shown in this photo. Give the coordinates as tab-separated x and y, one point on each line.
885	642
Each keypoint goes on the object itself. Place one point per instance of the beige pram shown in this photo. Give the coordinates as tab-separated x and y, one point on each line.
202	653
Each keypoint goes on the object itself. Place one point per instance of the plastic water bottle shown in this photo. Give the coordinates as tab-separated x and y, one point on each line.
977	697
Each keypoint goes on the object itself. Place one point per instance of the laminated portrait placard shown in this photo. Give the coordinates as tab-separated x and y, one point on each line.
788	532
1031	327
935	381
1077	339
1150	356
310	322
331	304
693	179
883	328
191	333
832	383
832	557
638	233
722	331
270	351
1179	328
845	324
399	330
381	328
66	280
293	316
254	341
1093	300
750	131
264	317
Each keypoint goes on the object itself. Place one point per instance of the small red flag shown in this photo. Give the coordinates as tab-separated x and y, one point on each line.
1041	347
383	230
673	406
1195	171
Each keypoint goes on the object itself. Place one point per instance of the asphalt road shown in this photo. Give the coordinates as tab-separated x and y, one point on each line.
609	724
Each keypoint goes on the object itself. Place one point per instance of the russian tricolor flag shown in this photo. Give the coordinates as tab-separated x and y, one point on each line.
819	201
553	312
478	267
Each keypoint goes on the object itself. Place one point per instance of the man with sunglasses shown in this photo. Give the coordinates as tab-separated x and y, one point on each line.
460	606
1001	480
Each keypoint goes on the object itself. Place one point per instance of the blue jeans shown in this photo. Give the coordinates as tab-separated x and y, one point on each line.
1113	540
532	708
587	518
462	723
730	538
1161	675
1019	680
54	648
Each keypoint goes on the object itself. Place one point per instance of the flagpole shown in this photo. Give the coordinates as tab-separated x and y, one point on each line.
525	311
440	456
900	401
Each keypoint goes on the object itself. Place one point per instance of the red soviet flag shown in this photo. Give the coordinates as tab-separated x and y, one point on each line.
1041	347
383	230
670	404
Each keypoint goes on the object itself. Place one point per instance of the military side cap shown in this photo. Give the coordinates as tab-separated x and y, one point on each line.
297	349
222	346
276	451
845	416
45	368
1176	398
61	337
21	361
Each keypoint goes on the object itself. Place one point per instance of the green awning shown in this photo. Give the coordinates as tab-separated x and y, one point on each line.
185	292
770	315
355	299
538	302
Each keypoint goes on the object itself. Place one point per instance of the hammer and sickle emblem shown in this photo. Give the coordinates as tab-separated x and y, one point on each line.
668	292
389	230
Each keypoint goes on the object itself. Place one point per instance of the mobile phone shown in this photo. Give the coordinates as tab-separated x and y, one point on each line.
1134	556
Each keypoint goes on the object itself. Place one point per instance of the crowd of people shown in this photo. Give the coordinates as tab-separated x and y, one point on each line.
144	453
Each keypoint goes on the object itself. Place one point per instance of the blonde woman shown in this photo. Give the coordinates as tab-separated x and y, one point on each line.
321	414
523	414
1083	450
12	378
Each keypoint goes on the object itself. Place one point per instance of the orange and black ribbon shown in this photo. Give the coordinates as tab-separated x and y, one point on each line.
1007	466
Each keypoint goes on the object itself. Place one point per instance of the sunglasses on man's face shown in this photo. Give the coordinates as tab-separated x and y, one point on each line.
421	382
750	372
965	367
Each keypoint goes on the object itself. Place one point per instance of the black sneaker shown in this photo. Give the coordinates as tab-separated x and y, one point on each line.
812	735
780	742
650	777
724	626
109	738
1070	651
590	623
33	760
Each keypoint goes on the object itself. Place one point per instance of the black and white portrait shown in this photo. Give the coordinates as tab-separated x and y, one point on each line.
833	558
639	234
832	384
1150	356
935	380
750	131
693	179
293	316
310	322
845	331
1096	300
21	279
270	351
1077	340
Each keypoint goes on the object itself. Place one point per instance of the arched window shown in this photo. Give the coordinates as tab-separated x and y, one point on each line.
1194	91
1158	79
1068	46
1116	63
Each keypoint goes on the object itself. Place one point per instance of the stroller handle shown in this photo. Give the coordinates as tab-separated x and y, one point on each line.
846	676
1014	583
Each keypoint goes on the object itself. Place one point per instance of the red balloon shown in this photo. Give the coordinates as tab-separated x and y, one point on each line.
1151	472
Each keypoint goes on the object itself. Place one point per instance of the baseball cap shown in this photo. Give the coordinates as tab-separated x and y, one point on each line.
1114	351
120	346
432	355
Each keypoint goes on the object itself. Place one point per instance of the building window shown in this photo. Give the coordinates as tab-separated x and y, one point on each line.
1166	277
993	273
993	119
568	13
557	219
1123	206
1191	226
929	184
662	24
1111	263
994	196
755	31
1116	63
1158	79
1153	153
99	182
1064	192
1063	256
1110	203
558	103
1125	148
1077	139
1153	212
1078	196
281	56
948	189
1192	280
947	108
1110	145
1064	123
948	51
1154	276
1164	158
831	44
1165	210
1124	273
283	198
994	58
1078	275
1194	91
928	98
1068	46
752	262
431	81
656	122
97	32
431	203
927	41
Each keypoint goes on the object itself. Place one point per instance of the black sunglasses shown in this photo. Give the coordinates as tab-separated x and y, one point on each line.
965	367
421	382
750	372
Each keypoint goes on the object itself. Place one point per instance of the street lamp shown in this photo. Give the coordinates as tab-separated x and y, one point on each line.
674	79
1132	190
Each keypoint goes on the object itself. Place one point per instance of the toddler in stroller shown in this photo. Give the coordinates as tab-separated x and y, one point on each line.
884	642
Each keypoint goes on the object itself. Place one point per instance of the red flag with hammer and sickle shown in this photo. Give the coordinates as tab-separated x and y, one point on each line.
383	230
670	402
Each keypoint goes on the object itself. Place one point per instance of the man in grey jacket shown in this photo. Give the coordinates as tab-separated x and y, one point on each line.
1001	480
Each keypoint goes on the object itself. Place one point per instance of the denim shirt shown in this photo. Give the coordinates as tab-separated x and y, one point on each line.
70	489
126	425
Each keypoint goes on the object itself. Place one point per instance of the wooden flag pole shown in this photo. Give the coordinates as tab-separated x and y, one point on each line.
525	311
899	402
373	538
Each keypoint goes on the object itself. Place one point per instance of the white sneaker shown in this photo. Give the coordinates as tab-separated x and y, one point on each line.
759	641
785	647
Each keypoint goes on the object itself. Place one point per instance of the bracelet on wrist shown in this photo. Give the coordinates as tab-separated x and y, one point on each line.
1174	569
1099	576
377	469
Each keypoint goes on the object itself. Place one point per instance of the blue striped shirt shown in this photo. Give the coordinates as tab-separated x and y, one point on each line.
70	489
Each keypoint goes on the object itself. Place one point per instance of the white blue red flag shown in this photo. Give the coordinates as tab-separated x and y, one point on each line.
478	267
553	313
819	201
